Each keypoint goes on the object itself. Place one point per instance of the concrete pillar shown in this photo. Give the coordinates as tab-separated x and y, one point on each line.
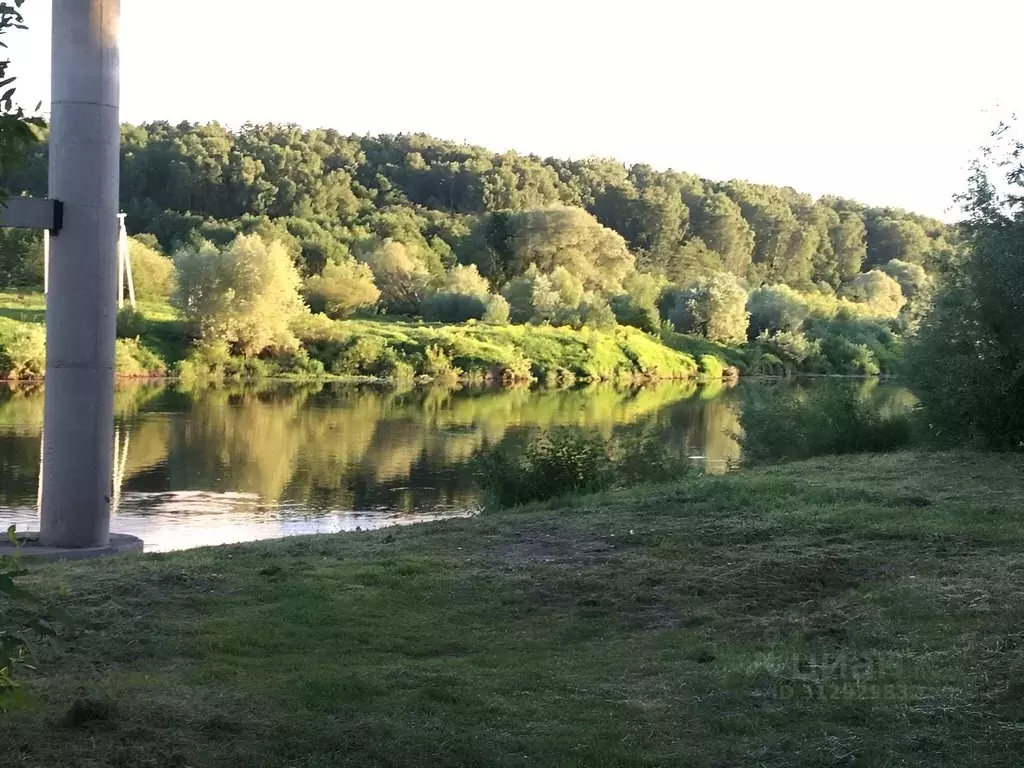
81	304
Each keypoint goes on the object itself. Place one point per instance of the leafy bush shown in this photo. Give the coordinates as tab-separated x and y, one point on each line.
342	288
245	296
967	362
776	309
714	307
574	462
497	311
25	618
453	308
826	420
360	357
297	364
711	367
876	290
463	280
133	360
153	274
561	463
791	347
858	346
403	273
439	365
131	323
22	351
21	258
214	362
912	278
595	313
638	306
393	367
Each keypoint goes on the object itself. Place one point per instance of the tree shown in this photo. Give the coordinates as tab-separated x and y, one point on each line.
497	311
464	296
776	309
519	293
246	295
400	272
342	288
783	251
878	291
557	298
714	307
453	308
329	196
891	237
21	258
571	238
638	306
154	274
849	244
519	183
967	359
912	278
720	225
691	261
18	129
466	281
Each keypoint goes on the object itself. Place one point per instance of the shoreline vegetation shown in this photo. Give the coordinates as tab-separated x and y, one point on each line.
857	609
153	344
277	251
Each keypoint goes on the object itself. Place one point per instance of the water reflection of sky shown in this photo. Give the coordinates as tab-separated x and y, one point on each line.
185	519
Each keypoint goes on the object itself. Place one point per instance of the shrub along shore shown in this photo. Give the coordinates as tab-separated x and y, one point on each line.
153	341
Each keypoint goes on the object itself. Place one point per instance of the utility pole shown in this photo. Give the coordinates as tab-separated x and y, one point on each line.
81	303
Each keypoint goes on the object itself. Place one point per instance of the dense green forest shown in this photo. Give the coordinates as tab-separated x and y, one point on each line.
416	226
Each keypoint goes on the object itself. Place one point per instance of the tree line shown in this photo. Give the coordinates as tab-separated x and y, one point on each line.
458	199
414	225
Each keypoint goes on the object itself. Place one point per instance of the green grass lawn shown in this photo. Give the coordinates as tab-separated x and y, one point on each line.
859	612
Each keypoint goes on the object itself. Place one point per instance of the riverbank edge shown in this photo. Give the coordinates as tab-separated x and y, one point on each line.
617	629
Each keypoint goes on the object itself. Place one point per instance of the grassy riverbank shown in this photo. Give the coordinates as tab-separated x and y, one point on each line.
863	611
154	342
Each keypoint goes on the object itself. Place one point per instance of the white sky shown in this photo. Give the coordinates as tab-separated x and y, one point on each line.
882	101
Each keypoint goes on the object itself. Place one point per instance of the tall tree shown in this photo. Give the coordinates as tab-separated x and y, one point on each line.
571	238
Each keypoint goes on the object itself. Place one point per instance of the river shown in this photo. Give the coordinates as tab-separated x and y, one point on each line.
224	465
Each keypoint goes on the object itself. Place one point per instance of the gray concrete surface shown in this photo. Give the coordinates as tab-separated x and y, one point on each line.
31	547
81	302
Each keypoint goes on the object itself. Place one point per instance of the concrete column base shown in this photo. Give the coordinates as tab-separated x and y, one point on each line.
31	549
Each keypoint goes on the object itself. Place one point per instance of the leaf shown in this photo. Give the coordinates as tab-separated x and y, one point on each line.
9	588
12	535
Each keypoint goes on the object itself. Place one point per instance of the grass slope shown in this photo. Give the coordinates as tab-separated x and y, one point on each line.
863	612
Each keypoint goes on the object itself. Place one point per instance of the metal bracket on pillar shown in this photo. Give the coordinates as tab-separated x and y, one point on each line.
33	213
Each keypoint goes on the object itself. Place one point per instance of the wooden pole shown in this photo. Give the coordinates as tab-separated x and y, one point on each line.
120	261
127	258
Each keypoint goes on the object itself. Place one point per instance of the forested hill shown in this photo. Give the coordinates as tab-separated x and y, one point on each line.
456	202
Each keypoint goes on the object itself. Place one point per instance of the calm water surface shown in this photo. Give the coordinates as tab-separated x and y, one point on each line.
218	466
